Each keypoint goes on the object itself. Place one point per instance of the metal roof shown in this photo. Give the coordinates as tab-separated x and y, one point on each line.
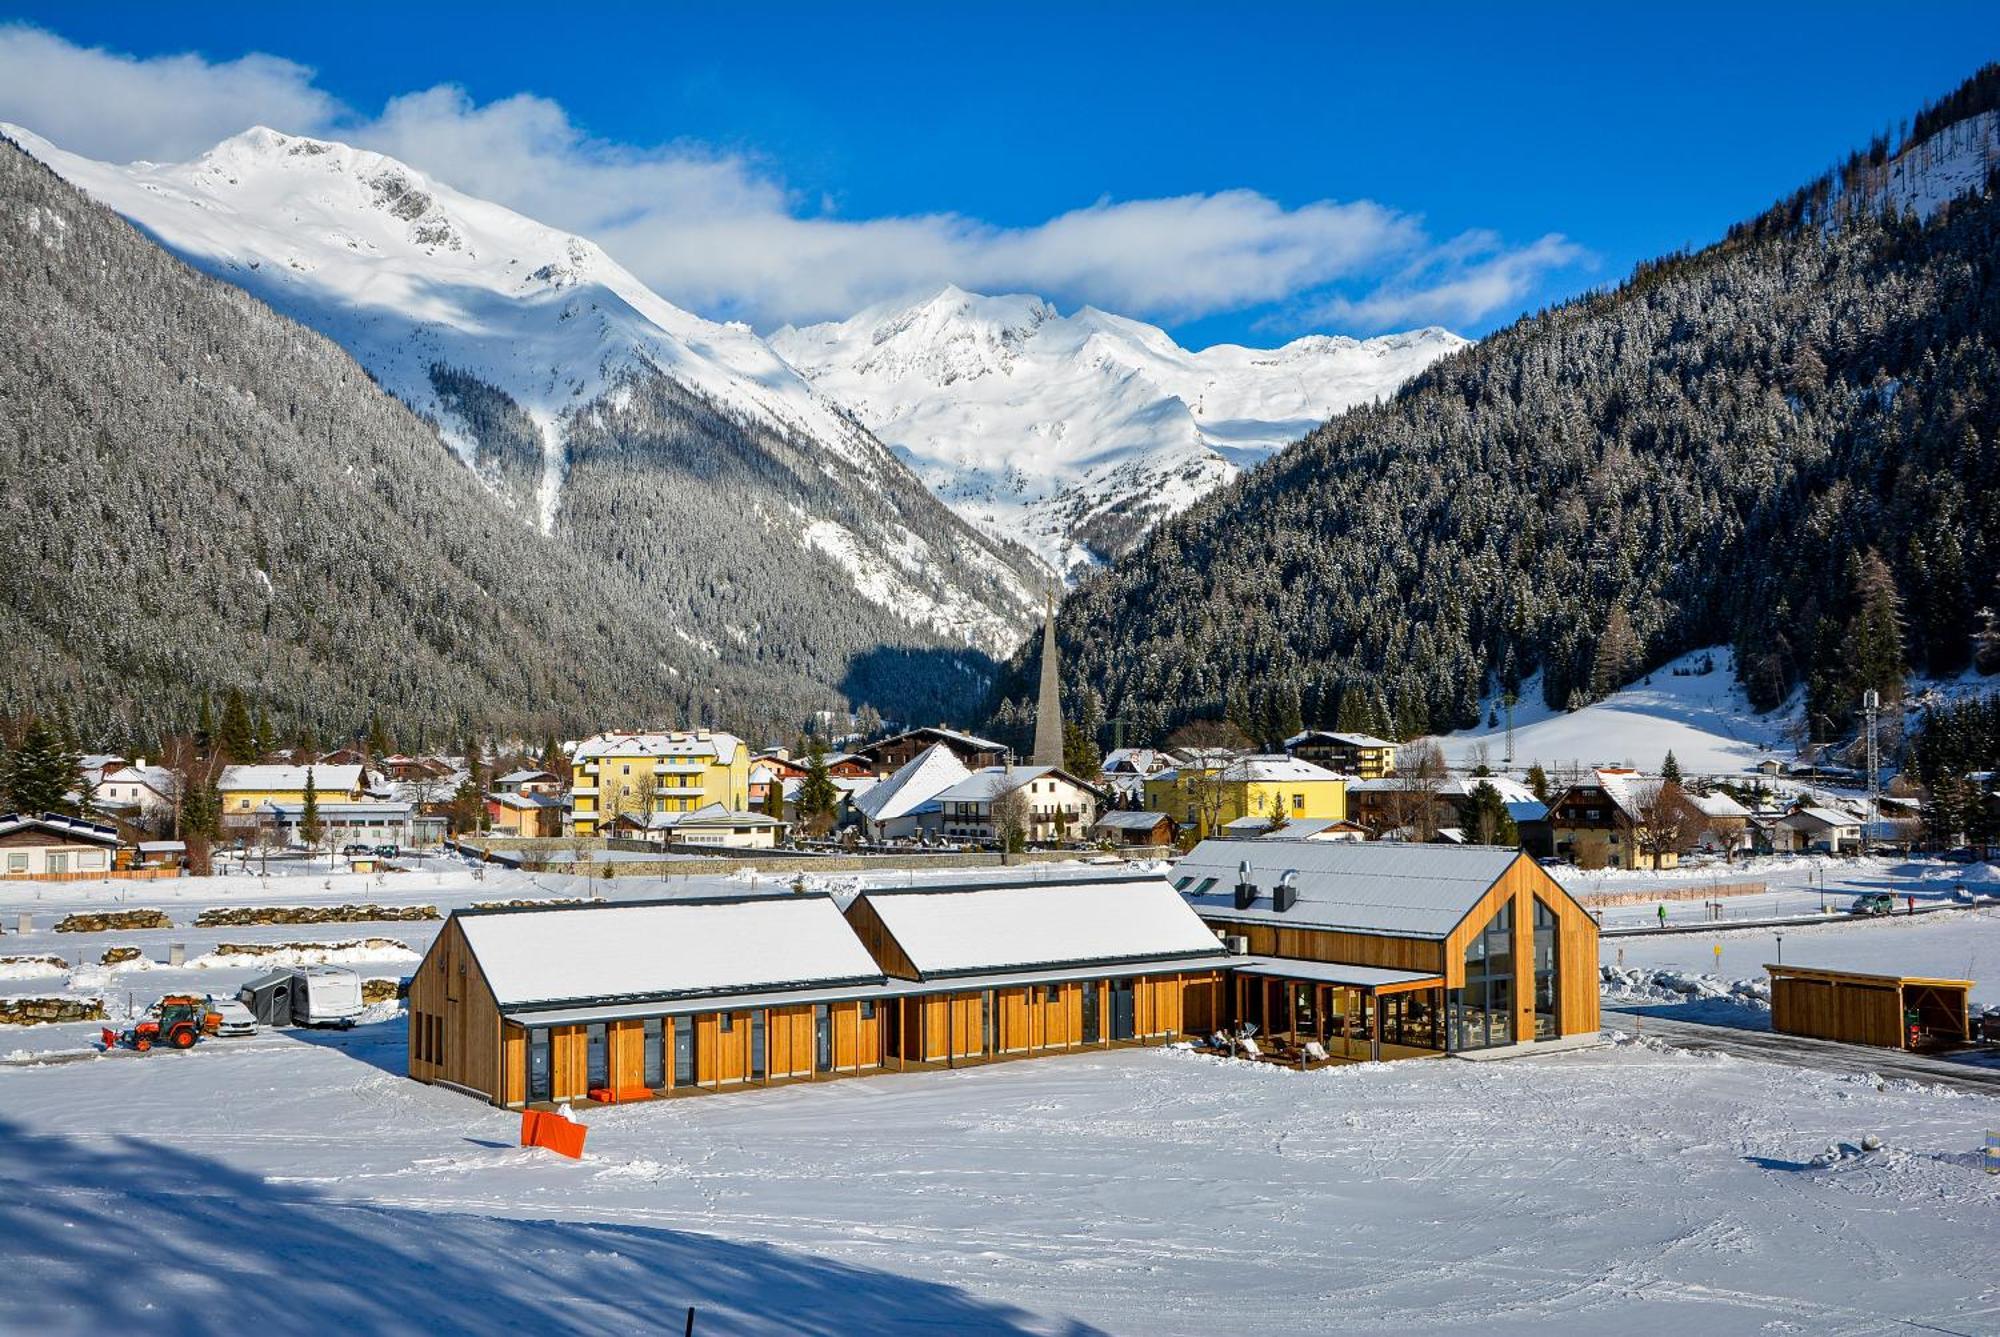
1398	890
1324	972
1132	821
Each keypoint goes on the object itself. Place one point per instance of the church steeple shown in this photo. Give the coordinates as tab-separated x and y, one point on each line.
1048	705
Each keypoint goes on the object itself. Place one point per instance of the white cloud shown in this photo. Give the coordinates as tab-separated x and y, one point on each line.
105	105
1457	283
723	234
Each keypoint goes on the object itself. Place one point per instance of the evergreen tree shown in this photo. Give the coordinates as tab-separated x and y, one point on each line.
552	756
1538	782
238	736
1874	644
1080	755
267	738
1618	655
311	829
40	773
1670	769
305	744
204	726
774	797
380	744
1490	821
818	798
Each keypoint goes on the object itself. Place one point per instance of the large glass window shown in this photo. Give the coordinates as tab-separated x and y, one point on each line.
1091	1031
684	1050
1548	974
1483	1010
597	1055
822	1038
757	1045
538	1064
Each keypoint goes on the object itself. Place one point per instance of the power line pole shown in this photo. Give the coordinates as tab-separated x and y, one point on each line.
1871	707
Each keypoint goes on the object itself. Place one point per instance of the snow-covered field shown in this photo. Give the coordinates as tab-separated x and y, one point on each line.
1628	1189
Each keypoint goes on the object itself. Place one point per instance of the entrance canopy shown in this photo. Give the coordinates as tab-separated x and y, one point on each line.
1373	979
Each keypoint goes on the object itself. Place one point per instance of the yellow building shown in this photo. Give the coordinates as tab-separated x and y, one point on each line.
246	789
1205	798
640	774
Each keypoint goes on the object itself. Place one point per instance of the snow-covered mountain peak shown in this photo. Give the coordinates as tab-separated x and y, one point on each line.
1076	432
446	298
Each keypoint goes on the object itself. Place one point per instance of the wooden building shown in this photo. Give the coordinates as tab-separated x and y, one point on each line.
886	756
640	998
1012	969
1394	948
628	1001
1890	1011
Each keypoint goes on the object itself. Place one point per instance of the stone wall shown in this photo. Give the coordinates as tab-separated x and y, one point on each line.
238	917
48	1011
104	921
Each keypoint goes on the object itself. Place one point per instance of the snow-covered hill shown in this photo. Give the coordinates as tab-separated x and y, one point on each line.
445	299
1692	707
1075	433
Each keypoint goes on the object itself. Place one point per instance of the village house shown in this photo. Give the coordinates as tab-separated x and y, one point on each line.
1058	805
527	782
246	790
1618	818
136	792
1816	830
1358	754
532	813
1204	797
51	846
889	755
906	804
641	774
1725	824
713	824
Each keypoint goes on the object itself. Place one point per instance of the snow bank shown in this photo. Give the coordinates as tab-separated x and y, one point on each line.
31	967
1681	986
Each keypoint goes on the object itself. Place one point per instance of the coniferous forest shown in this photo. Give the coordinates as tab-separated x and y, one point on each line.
1715	451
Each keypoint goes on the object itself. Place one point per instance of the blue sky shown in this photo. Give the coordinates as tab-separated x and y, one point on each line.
1318	169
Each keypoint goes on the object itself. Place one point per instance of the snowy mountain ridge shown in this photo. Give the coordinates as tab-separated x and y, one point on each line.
1075	433
415	278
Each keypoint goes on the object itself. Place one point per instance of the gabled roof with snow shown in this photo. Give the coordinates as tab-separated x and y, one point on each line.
523	777
63	828
1820	817
1263	769
989	782
1401	890
969	742
698	743
664	949
920	780
1340	739
969	930
280	779
1132	821
1718	804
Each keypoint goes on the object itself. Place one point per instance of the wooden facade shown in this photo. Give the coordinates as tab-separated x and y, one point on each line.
1523	885
1887	1011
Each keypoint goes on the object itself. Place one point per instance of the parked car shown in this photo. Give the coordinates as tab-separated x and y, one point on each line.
236	1018
350	851
1873	903
388	851
1963	854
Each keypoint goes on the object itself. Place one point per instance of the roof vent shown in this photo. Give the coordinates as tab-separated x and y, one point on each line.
1286	894
1246	890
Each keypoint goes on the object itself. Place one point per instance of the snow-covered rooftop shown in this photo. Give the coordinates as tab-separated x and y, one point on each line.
665	948
958	931
280	779
925	776
1418	891
721	747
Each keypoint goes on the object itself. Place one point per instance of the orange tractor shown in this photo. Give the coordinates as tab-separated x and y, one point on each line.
180	1020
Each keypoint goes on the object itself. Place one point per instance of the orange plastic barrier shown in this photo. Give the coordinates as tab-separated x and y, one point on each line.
542	1128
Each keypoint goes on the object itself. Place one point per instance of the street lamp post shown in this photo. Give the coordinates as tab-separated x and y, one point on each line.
1781	948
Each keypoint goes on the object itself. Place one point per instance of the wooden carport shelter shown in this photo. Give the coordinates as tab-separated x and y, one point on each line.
1888	1011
